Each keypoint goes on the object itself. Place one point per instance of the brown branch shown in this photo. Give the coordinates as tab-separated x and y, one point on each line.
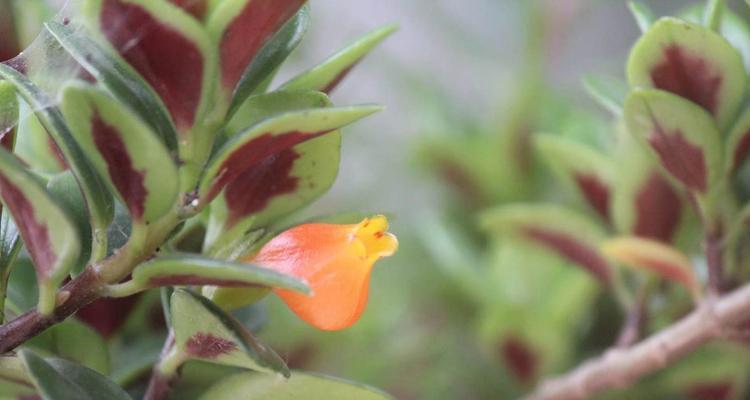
161	384
77	293
619	368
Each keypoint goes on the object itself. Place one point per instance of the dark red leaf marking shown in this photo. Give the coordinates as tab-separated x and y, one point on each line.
253	153
57	153
128	181
710	391
340	77
456	175
520	360
572	249
681	158
251	192
34	232
205	345
743	146
658	209
196	8
8	39
188	280
166	59
687	75
596	193
108	315
29	397
243	38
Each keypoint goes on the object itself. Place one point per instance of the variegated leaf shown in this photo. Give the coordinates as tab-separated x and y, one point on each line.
48	233
268	60
190	270
118	77
124	150
98	199
167	47
690	61
680	134
590	171
270	137
283	182
241	28
326	76
653	256
204	332
572	236
644	202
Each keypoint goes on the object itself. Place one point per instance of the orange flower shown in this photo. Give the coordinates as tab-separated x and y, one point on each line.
335	260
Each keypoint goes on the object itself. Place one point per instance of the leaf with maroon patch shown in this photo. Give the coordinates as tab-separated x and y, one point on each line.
9	47
586	169
264	65
681	135
241	28
203	331
98	199
167	47
124	150
283	182
644	203
653	256
270	137
48	233
693	62
572	236
192	270
326	76
118	77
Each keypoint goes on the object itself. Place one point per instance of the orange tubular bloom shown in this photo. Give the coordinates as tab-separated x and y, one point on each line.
335	260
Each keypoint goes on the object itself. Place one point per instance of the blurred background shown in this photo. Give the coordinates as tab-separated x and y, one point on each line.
457	313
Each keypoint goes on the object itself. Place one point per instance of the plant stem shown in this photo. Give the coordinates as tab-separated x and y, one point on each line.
89	285
631	330
165	371
619	368
714	249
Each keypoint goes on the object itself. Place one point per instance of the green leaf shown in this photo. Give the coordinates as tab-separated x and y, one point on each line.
737	143
586	169
9	114
262	106
35	146
643	15
47	231
301	385
74	341
14	380
98	199
609	92
118	77
270	58
62	380
203	331
124	150
326	76
572	236
270	137
681	135
188	270
712	16
716	80
64	188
